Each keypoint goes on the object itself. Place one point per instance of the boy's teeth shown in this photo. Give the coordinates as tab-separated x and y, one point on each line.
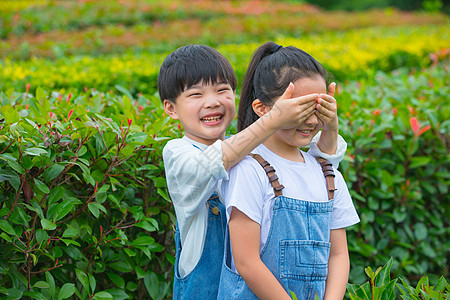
305	131
211	119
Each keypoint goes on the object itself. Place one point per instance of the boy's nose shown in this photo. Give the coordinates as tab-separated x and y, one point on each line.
212	101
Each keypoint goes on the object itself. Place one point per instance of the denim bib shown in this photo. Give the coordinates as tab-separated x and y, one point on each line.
296	251
203	281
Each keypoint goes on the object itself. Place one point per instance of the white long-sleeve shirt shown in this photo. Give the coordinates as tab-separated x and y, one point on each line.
193	174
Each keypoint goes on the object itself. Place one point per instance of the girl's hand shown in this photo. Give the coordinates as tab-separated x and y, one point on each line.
326	109
292	112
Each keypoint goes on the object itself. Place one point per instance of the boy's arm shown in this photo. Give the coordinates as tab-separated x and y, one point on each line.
245	239
286	113
191	174
338	266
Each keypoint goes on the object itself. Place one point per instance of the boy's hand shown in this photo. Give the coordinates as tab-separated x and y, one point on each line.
326	109
292	112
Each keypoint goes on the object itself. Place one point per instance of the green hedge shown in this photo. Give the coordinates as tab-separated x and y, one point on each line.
84	208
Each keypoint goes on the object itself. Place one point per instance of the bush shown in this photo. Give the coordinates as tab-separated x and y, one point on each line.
380	286
83	204
397	170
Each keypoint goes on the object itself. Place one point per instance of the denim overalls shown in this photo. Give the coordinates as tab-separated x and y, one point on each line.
203	281
297	248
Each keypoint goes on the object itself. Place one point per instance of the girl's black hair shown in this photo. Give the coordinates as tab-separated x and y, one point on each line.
189	65
268	75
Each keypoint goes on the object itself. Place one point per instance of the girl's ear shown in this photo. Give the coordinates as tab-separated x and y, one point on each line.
259	108
169	108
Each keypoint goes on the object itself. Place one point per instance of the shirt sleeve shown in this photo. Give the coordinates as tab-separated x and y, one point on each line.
244	189
336	158
344	213
192	174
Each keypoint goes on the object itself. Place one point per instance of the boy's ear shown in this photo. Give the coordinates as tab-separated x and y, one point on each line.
169	108
259	108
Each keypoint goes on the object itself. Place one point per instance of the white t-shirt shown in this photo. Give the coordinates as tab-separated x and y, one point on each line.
193	175
249	190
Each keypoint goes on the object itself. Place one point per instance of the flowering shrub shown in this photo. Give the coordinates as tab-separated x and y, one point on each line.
397	170
343	54
101	27
83	205
84	208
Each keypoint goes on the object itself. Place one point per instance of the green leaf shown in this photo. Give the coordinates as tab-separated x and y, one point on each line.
41	186
47	224
15	182
35	151
14	293
40	93
70	232
41	285
94	209
103	295
53	172
7	238
145	225
51	283
34	295
70	242
15	166
83	278
92	282
55	194
6	227
383	276
118	281
441	284
420	231
152	284
74	252
66	291
63	209
121	266
27	163
125	91
82	151
118	294
419	161
41	235
142	241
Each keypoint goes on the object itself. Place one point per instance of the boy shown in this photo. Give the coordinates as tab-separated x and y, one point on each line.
197	86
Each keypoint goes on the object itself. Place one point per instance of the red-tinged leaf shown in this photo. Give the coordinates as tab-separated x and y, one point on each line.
414	124
70	114
423	130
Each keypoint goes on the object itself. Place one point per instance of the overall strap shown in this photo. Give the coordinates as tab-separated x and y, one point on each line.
327	169
273	178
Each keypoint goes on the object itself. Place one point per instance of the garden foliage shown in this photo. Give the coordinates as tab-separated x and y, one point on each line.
84	208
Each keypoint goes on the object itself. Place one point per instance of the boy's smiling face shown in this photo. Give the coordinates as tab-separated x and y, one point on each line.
204	110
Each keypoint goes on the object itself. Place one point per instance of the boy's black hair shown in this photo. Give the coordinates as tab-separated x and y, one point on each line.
268	75
190	65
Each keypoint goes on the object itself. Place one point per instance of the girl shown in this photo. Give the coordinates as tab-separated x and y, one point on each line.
286	233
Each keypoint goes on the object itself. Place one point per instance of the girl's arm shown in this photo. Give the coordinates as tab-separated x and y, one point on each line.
286	113
326	111
338	266
245	239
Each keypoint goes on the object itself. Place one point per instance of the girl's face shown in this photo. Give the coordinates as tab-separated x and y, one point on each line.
301	136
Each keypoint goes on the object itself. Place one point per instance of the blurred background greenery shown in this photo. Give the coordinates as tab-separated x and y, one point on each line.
84	210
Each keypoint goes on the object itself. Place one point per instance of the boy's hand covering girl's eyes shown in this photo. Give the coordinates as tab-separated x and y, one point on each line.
326	109
292	112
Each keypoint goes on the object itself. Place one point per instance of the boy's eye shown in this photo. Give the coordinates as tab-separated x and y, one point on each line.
224	89
194	95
